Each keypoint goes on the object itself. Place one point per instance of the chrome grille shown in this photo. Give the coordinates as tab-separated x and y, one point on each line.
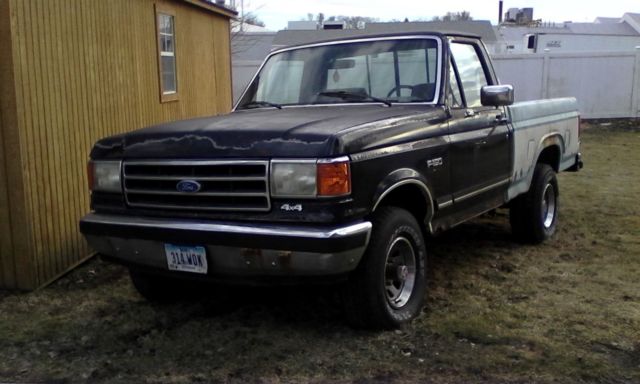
233	185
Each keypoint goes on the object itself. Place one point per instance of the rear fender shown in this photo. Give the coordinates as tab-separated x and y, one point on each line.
552	139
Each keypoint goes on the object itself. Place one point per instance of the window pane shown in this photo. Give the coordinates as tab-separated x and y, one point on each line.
455	101
432	57
167	53
166	43
413	67
363	68
470	71
382	71
168	74
352	79
281	82
165	23
418	84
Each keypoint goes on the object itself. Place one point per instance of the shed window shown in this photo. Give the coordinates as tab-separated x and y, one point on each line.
167	55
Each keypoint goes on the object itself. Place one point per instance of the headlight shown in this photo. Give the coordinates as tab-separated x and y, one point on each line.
310	178
104	176
295	178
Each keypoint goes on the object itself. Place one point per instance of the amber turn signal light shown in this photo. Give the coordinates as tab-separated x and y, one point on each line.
334	179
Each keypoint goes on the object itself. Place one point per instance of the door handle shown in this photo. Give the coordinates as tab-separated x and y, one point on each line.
469	113
501	119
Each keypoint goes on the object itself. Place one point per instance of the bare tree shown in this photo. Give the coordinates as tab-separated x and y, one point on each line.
319	18
252	19
240	40
454	16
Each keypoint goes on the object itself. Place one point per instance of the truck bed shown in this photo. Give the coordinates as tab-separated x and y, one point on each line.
535	123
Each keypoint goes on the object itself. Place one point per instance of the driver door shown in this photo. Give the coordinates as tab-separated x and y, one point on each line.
480	151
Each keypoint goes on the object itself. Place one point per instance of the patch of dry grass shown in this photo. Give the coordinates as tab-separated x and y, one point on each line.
497	311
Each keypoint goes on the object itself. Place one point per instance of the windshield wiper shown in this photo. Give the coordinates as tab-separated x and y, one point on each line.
257	104
345	95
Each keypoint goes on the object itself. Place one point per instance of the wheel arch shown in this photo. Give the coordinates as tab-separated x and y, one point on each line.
550	152
406	188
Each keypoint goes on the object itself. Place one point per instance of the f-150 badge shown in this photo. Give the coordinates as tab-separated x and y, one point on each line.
434	162
289	207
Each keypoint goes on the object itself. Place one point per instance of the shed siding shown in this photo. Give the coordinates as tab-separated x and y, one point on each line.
17	270
7	264
7	269
85	70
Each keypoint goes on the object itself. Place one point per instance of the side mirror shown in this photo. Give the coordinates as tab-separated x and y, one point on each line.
496	95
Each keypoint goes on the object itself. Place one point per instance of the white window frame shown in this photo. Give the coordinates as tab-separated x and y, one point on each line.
164	11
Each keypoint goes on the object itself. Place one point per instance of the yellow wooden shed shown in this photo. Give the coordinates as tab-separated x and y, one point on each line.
73	71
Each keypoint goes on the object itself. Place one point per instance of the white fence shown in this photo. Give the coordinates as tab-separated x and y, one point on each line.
606	84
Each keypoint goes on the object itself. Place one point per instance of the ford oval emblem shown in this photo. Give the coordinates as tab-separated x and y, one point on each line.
188	186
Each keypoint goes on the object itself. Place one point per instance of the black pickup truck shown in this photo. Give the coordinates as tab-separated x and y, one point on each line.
338	162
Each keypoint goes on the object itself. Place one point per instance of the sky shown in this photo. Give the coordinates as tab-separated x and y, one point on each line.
276	13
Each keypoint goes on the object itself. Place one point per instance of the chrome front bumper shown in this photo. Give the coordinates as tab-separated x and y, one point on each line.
232	248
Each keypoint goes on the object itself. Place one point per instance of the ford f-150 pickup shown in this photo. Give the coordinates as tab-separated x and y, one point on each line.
338	163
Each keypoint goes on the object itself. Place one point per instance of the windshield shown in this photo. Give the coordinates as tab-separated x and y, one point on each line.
403	70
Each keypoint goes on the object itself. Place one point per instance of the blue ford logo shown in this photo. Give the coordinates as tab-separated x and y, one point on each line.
188	186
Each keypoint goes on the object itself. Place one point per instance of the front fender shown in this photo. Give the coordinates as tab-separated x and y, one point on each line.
399	178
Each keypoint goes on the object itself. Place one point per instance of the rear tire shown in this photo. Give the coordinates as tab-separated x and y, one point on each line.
387	289
534	215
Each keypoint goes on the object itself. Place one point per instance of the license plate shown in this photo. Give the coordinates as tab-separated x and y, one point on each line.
186	258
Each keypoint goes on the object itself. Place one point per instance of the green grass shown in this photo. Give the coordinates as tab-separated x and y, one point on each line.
497	311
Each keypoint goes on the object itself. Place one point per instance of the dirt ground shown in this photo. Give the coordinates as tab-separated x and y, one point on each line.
497	311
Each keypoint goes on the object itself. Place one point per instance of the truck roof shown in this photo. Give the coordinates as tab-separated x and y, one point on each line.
360	34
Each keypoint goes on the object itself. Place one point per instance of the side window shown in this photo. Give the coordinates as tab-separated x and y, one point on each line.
471	72
454	97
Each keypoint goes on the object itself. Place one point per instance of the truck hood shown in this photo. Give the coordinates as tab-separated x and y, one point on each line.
317	131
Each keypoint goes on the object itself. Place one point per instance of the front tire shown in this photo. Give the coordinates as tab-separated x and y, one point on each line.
534	215
387	289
